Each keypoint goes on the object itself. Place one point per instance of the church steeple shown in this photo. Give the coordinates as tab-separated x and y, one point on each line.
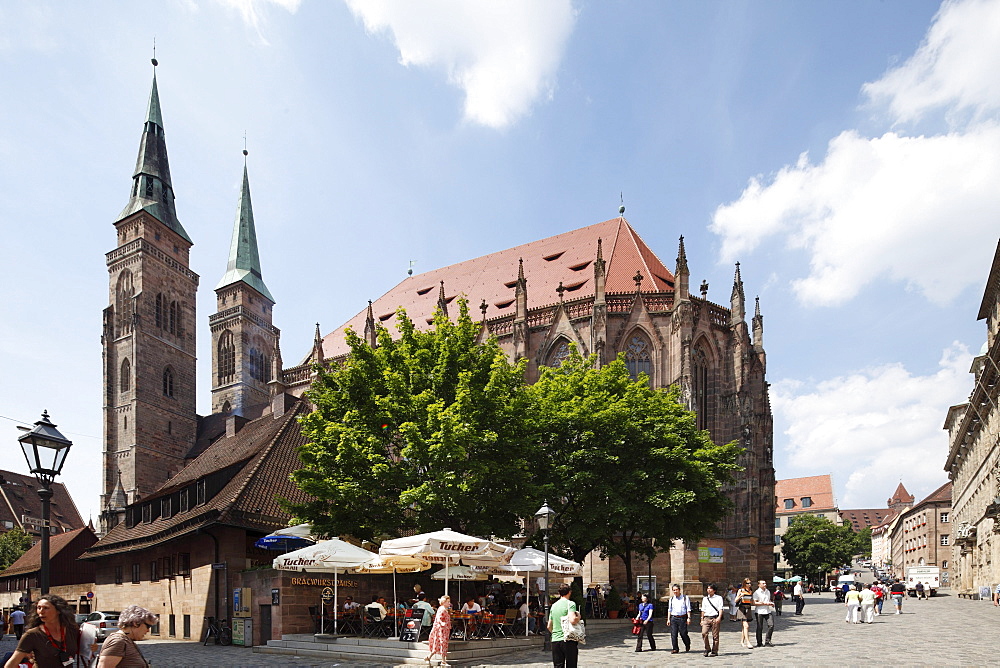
738	298
244	259
682	275
152	190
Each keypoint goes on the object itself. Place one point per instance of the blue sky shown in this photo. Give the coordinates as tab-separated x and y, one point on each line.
847	154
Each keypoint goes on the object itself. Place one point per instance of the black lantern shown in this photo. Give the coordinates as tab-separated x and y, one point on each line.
544	517
45	450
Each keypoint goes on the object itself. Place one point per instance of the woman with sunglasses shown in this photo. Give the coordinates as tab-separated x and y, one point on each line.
120	649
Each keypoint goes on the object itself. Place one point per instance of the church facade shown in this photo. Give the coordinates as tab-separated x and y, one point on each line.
184	497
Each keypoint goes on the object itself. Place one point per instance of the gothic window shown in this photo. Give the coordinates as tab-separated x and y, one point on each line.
637	356
125	381
559	354
124	292
174	319
168	382
702	378
226	407
227	357
159	315
149	188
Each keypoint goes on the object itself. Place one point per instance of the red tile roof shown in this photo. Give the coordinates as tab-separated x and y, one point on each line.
567	258
30	561
941	495
817	487
19	496
859	518
901	496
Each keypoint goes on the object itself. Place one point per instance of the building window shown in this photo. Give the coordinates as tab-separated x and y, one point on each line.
168	382
125	381
789	504
187	626
124	293
637	357
172	625
807	501
777	522
559	354
119	570
200	492
158	312
944	518
944	539
166	507
185	500
184	563
154	570
147	513
257	364
227	357
174	321
944	564
135	573
777	539
167	566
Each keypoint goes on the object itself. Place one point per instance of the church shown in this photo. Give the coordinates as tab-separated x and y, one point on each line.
184	497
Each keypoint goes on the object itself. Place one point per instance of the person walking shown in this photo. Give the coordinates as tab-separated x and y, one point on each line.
645	620
746	608
853	601
763	607
779	597
920	591
17	621
565	653
897	591
880	592
52	638
711	619
679	613
120	649
868	604
733	598
800	600
441	631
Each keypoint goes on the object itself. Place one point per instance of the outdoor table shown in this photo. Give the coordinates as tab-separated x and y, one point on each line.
460	623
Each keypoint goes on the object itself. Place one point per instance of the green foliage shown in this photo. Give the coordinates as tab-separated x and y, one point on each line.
613	600
13	544
422	432
623	462
815	545
864	542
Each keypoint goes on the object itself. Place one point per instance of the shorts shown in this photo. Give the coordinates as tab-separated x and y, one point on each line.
744	613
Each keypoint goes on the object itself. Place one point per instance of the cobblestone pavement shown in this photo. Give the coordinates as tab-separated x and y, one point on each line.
936	632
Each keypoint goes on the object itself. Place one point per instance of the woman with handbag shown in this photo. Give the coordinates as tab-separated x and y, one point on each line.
745	611
645	621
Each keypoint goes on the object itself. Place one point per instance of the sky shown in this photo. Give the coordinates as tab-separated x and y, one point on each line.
846	154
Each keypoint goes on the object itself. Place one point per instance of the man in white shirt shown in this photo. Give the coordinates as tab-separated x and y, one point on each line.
800	601
763	607
711	619
679	613
350	604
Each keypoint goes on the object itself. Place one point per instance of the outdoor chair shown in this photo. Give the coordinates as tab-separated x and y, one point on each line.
374	627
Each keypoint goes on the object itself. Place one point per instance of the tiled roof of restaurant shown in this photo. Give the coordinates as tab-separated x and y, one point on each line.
818	488
566	258
259	458
30	561
859	518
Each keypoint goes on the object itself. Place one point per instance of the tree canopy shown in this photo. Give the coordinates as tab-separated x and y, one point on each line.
420	432
13	544
815	545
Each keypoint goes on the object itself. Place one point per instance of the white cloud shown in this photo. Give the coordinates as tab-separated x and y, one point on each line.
504	55
252	11
954	68
872	427
919	210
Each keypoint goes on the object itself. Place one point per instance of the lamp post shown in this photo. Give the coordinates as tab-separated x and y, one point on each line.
45	450
544	517
649	572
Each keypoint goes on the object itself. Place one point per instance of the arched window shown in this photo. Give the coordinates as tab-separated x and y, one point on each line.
124	293
702	386
125	381
174	321
158	311
226	357
226	407
168	382
559	353
638	358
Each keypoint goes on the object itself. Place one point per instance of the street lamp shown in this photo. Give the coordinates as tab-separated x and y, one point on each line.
649	576
45	450
544	517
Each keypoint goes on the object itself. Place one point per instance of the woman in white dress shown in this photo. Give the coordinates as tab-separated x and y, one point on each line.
733	599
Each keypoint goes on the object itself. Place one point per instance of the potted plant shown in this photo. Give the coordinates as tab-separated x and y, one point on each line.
613	602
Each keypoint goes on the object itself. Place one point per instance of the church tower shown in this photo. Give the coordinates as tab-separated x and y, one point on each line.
148	335
243	338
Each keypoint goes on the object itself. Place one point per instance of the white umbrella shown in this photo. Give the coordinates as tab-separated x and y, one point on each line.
330	556
445	546
397	564
298	531
459	573
530	559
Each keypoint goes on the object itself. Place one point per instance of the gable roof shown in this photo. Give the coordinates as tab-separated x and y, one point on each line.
19	496
817	487
566	258
859	518
261	456
901	496
941	495
31	560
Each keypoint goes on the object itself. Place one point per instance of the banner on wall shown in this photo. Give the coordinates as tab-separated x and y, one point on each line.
710	555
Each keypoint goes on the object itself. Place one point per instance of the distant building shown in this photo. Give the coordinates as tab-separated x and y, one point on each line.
68	577
812	495
19	501
861	518
923	535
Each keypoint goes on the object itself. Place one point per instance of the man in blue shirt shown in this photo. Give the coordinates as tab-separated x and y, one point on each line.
645	619
428	614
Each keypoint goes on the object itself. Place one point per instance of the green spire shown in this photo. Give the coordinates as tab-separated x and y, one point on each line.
244	260
152	190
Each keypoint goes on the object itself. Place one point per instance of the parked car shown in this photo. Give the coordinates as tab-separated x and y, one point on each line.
106	623
81	617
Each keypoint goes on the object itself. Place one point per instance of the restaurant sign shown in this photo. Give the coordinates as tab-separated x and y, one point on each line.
323	582
710	555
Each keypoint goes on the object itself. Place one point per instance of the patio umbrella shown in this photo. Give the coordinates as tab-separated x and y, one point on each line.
447	546
285	539
777	578
797	578
464	573
529	560
329	556
398	564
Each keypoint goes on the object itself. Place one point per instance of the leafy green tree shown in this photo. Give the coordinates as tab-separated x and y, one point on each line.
421	432
863	542
814	545
623	462
13	544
